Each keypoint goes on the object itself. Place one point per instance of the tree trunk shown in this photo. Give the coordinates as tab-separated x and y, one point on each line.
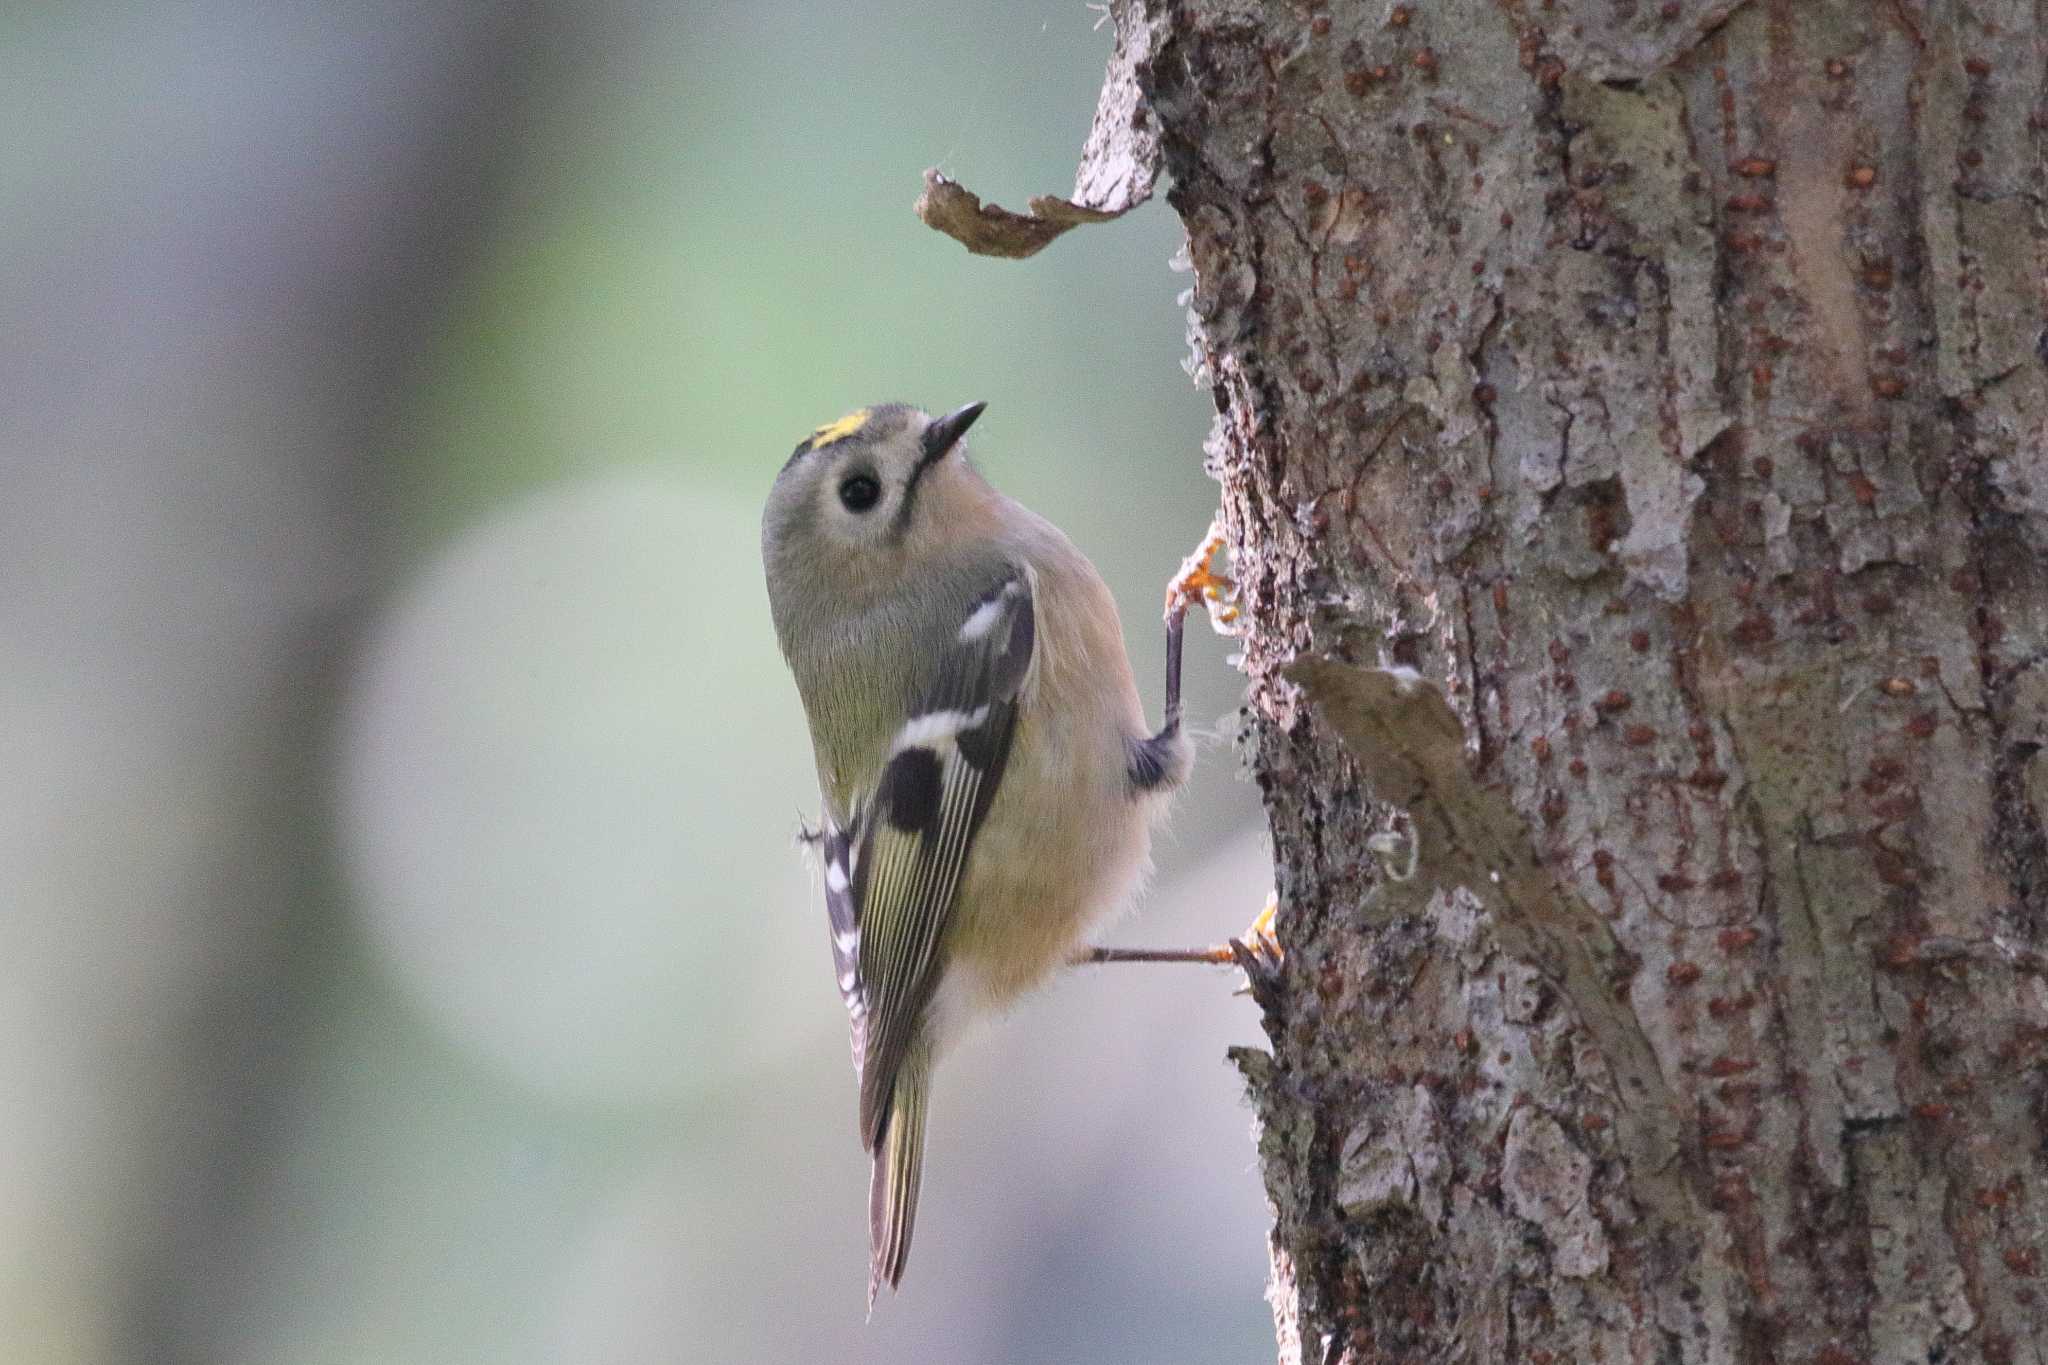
1632	426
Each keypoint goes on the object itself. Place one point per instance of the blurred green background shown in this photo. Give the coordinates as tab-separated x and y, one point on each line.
408	956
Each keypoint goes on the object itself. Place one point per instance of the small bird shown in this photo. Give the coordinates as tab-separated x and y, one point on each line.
989	786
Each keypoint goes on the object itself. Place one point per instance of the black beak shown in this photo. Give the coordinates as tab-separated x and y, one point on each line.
945	432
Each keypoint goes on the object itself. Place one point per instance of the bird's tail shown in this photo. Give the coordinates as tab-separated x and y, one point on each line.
892	1185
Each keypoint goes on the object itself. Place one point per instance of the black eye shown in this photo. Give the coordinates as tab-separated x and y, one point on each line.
859	493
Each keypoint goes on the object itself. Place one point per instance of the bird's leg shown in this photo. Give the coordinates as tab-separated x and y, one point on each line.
1218	956
1161	762
1258	940
1194	581
1176	623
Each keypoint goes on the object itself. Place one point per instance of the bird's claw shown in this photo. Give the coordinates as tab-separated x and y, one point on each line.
1259	933
1258	952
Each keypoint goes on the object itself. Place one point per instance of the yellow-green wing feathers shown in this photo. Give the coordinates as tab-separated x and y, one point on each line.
893	874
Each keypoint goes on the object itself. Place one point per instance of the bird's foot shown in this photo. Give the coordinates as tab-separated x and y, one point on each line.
1258	953
1258	936
1197	581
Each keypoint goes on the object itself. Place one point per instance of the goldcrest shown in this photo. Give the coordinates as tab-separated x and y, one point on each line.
988	783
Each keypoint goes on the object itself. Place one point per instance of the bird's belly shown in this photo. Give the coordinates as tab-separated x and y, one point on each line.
1035	885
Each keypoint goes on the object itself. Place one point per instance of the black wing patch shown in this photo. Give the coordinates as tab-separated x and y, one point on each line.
903	855
911	789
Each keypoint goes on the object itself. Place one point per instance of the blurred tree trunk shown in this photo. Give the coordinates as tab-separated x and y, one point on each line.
1667	387
249	523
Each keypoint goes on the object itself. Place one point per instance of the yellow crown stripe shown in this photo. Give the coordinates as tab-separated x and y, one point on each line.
841	429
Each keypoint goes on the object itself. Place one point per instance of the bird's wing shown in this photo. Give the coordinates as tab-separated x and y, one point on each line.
892	872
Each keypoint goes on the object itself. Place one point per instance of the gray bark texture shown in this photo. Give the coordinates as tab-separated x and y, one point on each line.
1633	430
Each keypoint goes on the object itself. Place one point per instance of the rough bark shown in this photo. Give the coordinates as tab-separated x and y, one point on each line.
1631	425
